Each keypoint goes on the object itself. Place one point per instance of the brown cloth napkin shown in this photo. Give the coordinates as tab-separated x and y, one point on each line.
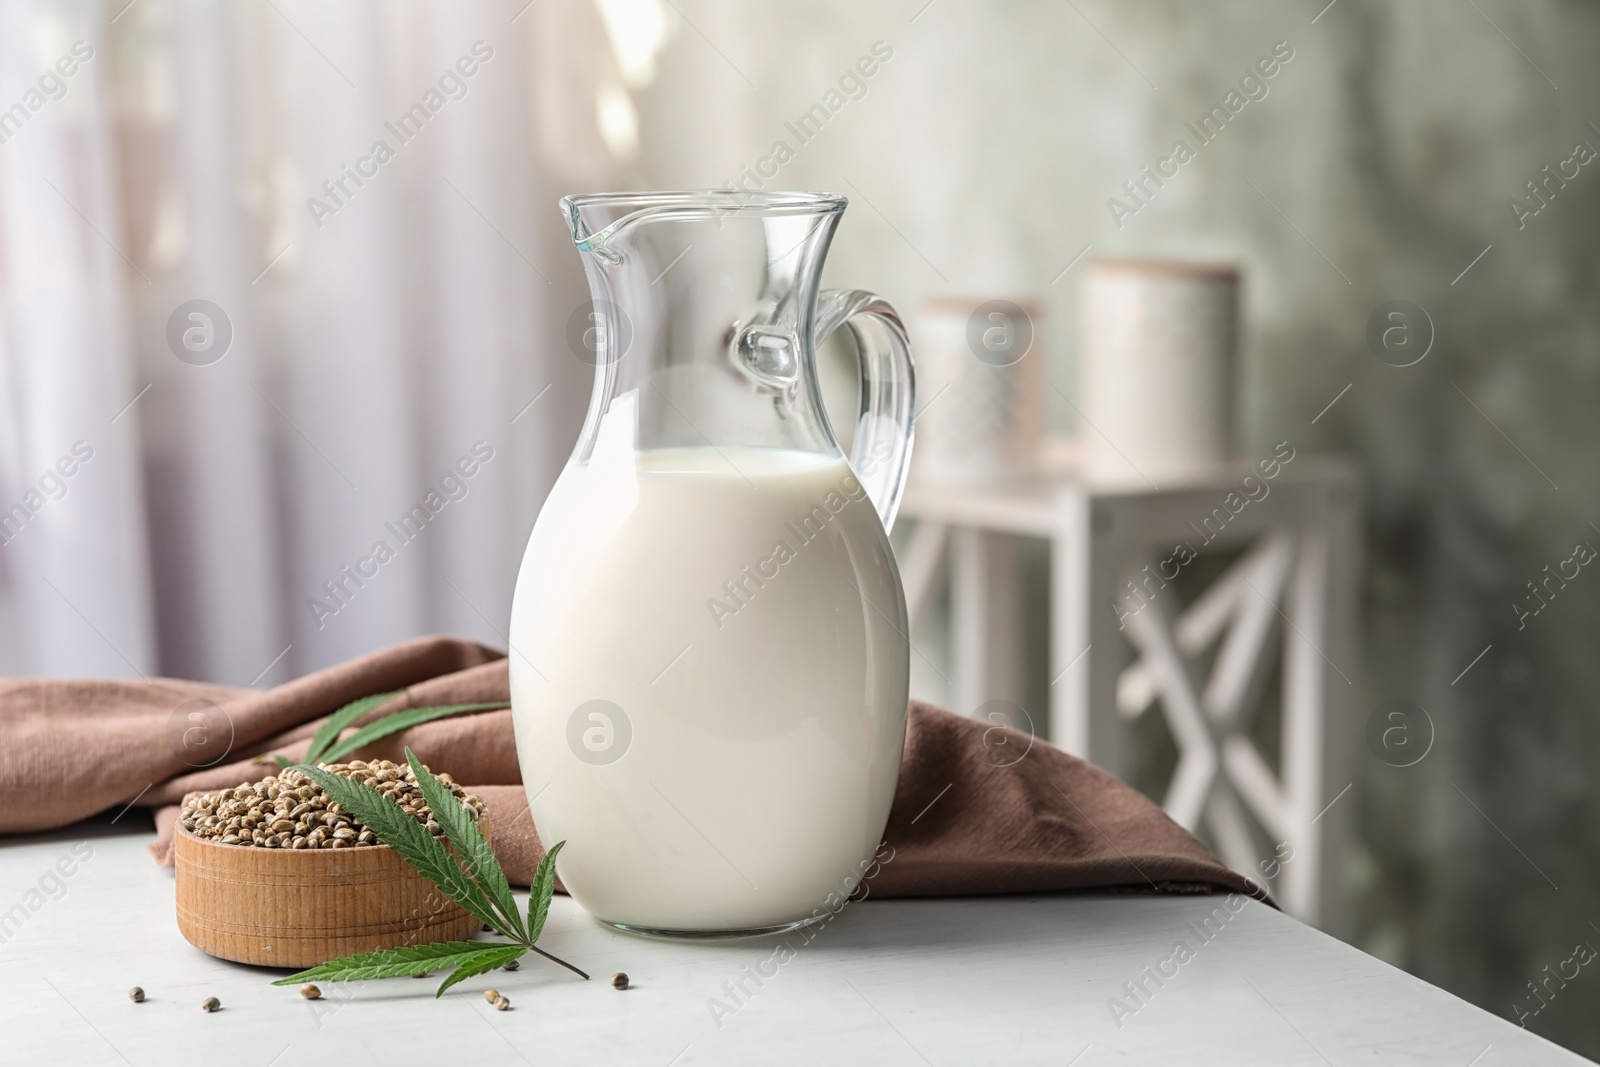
970	817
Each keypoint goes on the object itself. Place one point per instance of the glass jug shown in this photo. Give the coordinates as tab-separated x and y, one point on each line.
709	653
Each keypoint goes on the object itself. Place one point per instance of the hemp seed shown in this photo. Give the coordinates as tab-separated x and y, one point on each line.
310	992
289	811
501	1003
619	980
136	995
491	995
210	1004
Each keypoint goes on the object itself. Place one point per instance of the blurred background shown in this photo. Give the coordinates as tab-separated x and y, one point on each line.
188	502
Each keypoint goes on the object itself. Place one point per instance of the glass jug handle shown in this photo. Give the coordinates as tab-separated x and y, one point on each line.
884	428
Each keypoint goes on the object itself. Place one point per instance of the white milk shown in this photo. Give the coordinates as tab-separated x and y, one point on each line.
743	610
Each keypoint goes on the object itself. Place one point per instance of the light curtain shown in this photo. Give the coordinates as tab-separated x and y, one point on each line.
283	286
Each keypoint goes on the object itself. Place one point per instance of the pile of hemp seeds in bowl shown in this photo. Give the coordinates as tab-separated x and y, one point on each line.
289	810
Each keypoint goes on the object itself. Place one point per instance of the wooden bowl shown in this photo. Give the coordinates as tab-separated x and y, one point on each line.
301	907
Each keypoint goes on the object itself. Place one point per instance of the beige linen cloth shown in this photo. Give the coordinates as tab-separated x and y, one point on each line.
969	816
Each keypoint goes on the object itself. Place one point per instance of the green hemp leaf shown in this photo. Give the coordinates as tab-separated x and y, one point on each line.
327	748
468	875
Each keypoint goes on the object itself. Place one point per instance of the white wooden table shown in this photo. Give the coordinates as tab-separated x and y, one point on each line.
975	981
1120	643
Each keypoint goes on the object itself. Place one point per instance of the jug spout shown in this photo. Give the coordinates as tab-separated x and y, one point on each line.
703	311
717	260
704	318
599	220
